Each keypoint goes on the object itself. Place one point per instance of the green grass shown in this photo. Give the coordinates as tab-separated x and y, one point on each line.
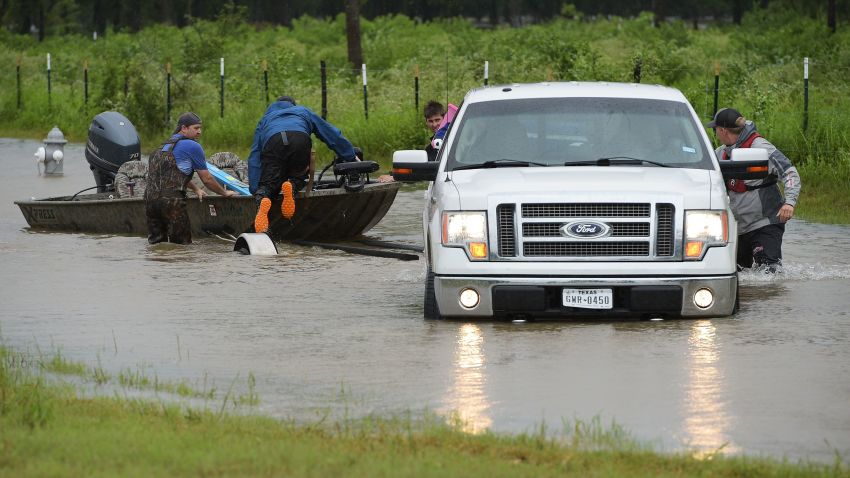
47	429
760	74
826	190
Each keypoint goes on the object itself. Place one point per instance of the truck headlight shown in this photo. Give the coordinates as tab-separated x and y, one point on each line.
467	229
704	229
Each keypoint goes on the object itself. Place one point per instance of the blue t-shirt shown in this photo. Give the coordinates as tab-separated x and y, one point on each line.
188	154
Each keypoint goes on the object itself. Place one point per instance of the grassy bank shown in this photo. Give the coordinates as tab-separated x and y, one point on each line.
826	190
47	428
760	66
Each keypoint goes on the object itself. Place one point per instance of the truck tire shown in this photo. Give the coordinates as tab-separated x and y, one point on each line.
431	309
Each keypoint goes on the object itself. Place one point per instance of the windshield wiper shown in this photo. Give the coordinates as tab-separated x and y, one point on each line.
500	163
616	160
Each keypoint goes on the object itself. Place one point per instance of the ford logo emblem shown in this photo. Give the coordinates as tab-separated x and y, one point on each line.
585	229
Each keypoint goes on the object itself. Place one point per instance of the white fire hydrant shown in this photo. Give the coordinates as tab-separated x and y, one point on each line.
51	154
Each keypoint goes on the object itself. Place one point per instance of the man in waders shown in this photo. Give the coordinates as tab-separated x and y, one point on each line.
170	170
280	155
758	205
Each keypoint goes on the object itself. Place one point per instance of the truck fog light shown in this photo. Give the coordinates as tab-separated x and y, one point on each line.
703	298
469	298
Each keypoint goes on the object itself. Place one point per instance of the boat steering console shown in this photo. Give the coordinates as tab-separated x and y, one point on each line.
353	176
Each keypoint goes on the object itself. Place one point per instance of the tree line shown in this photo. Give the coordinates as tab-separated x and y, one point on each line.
59	17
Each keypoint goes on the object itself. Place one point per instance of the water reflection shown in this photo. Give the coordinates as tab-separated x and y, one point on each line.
706	422
467	400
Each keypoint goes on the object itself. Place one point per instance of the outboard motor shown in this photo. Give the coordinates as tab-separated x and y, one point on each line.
112	141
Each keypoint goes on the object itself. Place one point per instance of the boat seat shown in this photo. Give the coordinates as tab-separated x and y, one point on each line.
130	180
356	167
231	164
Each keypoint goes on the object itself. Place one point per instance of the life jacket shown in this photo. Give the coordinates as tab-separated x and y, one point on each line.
737	185
164	177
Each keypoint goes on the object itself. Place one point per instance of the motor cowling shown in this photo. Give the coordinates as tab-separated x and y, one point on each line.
112	141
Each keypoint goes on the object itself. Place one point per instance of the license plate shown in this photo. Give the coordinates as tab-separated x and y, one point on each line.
588	298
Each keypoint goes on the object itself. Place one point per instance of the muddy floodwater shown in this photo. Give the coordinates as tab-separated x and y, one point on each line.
330	332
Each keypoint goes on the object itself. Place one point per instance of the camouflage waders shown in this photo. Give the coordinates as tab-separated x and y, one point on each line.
165	198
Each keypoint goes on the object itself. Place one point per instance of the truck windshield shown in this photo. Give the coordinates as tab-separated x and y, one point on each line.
589	131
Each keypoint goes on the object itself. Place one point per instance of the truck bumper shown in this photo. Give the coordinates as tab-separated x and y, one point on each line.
541	297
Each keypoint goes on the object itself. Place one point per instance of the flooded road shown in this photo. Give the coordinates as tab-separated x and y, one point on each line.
329	332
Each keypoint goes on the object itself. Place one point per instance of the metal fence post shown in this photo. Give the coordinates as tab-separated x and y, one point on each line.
221	77
86	82
716	86
168	93
18	79
48	80
805	93
637	71
266	79
365	93
324	71
416	87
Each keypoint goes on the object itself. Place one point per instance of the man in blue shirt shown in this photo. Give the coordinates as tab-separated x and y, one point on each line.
280	155
170	170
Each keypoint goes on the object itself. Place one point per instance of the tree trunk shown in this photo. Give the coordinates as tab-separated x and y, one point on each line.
494	13
695	15
99	15
830	15
658	11
285	14
737	11
515	12
352	27
41	23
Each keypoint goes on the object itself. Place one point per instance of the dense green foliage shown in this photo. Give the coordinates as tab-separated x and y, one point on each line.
49	429
760	64
52	17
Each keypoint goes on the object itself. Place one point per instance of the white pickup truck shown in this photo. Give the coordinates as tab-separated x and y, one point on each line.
586	200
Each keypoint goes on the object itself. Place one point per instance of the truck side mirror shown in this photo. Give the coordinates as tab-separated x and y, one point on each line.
413	165
746	163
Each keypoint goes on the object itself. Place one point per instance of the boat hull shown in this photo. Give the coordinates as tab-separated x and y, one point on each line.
325	214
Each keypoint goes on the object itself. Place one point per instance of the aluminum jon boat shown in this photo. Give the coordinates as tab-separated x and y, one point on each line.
326	213
340	208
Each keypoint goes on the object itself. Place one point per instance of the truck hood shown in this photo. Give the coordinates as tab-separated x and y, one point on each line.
687	187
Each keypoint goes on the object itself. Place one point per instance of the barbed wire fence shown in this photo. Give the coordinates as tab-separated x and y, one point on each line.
257	83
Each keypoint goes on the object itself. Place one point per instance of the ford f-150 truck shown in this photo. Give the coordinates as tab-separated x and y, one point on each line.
575	199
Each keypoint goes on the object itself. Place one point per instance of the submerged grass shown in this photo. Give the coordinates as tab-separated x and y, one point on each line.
48	429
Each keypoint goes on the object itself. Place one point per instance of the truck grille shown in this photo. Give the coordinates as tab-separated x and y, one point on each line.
585	210
553	229
638	231
664	226
585	249
506	232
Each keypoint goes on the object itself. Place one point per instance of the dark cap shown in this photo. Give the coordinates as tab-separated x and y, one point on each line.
725	118
187	119
286	98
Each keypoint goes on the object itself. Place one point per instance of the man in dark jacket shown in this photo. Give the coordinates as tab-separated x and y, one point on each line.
280	155
170	170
